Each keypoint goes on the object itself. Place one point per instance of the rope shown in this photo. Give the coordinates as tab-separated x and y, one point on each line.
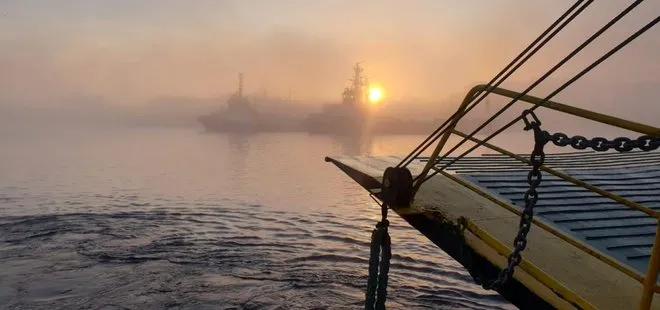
372	282
546	99
541	79
439	131
379	265
384	268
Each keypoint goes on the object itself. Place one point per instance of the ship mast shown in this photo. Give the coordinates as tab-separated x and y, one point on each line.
358	85
240	84
237	101
289	99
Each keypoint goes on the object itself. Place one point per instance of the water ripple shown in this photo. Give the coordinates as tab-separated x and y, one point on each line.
301	257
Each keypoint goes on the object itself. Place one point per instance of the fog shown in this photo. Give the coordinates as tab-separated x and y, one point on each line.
165	62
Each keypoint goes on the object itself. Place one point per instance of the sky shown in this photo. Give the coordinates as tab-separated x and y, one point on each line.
131	51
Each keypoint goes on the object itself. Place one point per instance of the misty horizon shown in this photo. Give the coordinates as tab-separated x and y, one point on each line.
132	52
238	154
80	56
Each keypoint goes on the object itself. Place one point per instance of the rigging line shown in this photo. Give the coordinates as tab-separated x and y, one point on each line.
422	145
542	78
437	132
554	93
472	105
554	33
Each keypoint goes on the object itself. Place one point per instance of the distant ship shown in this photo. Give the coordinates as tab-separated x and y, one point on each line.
241	116
355	116
349	117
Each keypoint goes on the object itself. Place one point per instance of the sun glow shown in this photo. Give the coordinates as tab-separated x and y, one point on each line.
375	95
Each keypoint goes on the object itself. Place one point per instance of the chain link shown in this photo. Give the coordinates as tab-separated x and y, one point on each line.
537	158
531	197
600	144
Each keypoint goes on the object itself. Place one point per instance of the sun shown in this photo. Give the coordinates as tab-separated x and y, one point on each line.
375	95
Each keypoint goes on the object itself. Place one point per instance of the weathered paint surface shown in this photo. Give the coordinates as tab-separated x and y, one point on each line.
614	229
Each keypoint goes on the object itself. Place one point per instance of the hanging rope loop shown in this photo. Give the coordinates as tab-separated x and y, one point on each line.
379	264
383	220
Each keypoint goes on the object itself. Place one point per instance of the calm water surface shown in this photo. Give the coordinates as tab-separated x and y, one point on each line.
178	219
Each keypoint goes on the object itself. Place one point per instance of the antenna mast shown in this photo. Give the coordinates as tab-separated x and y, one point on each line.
289	95
240	84
358	84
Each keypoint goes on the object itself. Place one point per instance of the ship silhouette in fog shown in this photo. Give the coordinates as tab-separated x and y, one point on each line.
241	116
355	115
349	117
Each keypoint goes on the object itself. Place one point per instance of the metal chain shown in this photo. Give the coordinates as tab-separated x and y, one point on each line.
534	177
599	144
531	197
541	138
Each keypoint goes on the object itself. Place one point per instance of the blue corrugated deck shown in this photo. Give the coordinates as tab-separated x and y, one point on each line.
614	229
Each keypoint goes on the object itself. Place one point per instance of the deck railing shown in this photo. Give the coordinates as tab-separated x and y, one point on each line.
649	280
478	93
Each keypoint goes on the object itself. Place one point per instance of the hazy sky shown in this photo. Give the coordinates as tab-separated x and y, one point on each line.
133	50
